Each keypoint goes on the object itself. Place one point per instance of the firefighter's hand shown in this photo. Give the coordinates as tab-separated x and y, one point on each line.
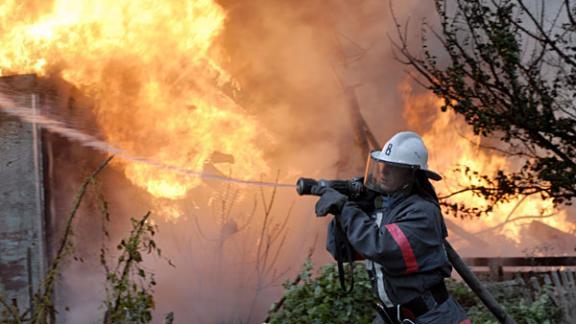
331	202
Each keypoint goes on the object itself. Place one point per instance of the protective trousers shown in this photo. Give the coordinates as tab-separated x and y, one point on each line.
449	312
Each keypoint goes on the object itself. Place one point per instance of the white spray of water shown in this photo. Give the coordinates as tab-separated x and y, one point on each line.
55	126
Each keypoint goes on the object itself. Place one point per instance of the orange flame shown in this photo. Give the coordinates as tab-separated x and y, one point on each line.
152	68
453	144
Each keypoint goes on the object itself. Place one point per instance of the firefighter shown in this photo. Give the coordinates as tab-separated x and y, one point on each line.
400	236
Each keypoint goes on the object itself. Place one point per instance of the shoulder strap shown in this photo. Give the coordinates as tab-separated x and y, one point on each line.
341	240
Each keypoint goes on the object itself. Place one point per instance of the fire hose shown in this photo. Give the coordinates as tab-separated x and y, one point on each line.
354	189
476	286
51	124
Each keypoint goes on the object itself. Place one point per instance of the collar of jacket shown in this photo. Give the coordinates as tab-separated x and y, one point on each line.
391	200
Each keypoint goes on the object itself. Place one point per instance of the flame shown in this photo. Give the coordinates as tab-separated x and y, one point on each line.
153	70
453	145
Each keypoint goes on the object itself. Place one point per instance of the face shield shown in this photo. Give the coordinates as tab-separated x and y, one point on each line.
374	173
385	177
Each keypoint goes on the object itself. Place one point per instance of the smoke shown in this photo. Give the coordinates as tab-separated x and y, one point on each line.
291	66
292	62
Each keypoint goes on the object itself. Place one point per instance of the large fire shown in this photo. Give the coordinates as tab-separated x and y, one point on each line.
152	68
455	146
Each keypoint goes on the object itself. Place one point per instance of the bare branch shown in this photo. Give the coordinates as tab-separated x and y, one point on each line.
545	37
569	13
44	306
13	312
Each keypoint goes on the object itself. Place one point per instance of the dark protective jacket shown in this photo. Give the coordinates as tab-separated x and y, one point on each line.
402	240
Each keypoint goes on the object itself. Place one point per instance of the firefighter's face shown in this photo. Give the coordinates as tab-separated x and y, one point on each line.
393	178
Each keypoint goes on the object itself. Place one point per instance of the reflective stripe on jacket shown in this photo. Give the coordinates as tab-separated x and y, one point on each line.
407	245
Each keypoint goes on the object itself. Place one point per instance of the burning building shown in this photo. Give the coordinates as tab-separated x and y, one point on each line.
257	91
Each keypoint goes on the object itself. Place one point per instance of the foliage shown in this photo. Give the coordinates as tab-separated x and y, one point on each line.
129	286
43	310
541	310
321	299
510	71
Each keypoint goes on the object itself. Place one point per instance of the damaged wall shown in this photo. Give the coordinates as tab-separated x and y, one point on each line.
22	246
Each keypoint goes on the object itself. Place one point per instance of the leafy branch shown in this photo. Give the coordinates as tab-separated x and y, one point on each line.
510	72
43	310
129	287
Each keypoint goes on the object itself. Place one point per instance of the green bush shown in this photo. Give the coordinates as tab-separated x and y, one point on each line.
541	310
321	299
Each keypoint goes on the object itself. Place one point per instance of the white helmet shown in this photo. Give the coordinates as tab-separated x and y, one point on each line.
405	149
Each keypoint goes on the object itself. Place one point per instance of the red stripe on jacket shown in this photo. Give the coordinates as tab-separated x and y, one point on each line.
407	252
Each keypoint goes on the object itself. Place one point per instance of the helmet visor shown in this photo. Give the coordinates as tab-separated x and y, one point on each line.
374	173
386	177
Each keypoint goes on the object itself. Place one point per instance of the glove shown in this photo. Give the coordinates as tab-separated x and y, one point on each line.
331	201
